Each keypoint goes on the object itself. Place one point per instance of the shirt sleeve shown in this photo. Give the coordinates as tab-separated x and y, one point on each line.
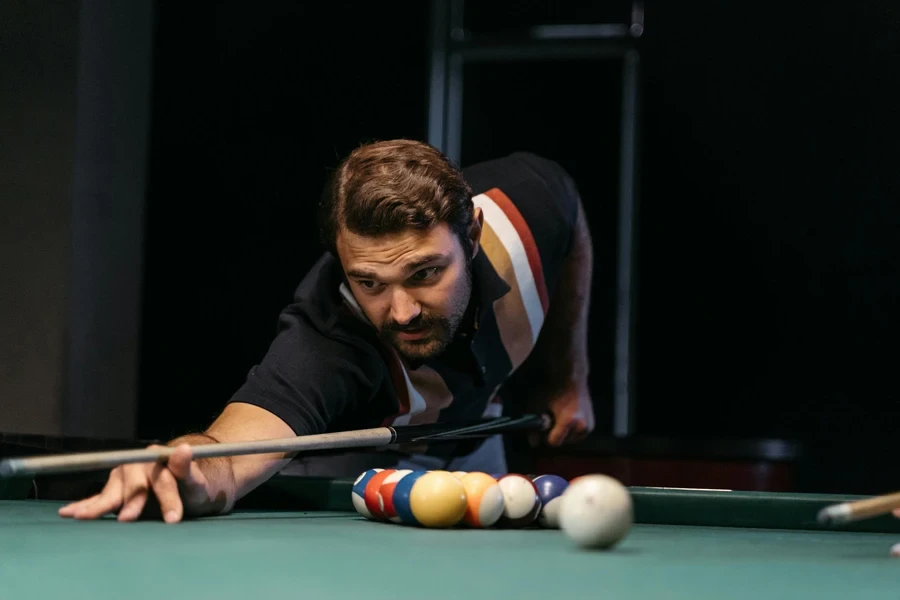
546	197
553	200
308	379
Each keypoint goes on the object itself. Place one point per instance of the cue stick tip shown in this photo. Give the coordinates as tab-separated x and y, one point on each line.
7	468
832	515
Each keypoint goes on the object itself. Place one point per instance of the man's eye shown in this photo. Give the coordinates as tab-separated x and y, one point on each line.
366	284
426	274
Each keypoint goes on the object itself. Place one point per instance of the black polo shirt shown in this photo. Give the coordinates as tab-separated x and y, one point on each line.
326	370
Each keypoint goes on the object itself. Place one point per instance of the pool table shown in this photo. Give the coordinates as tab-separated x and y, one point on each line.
686	544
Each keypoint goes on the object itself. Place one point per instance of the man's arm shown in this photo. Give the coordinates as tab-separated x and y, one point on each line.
230	478
558	367
565	332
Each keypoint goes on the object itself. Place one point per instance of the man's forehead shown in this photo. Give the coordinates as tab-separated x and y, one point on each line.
404	250
434	239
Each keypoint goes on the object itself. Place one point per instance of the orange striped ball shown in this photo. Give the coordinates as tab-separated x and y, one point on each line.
371	494
484	500
386	494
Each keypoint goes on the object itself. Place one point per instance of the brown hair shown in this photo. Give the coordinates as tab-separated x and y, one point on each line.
387	187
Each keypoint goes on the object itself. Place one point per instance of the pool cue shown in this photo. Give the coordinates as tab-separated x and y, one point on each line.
846	512
375	437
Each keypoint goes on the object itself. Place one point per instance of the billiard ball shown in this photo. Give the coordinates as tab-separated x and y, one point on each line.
596	511
438	499
370	494
550	490
386	494
359	489
484	500
401	497
459	474
521	503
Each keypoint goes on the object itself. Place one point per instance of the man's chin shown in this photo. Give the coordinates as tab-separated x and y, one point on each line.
418	350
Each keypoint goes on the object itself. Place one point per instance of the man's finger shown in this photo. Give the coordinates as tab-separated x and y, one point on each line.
191	481
136	484
897	512
579	431
107	501
190	478
180	463
100	505
134	506
559	433
69	510
165	486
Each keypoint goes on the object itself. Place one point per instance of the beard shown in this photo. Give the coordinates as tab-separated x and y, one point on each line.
438	331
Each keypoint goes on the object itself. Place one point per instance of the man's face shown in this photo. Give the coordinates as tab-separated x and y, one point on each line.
413	286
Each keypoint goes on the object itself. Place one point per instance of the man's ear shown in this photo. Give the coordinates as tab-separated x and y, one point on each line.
476	229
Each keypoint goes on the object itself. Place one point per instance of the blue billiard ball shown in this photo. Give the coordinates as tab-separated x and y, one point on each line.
401	498
359	492
550	489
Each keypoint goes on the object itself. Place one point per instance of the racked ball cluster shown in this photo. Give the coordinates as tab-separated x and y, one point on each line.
595	511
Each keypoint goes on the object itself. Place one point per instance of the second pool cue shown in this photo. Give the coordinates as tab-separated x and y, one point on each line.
857	510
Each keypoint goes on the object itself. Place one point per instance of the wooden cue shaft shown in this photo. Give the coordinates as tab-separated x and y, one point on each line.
91	461
377	436
861	509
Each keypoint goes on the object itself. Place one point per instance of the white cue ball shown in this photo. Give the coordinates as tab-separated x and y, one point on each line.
596	511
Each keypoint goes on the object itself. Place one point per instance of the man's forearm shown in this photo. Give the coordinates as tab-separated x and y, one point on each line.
219	474
562	347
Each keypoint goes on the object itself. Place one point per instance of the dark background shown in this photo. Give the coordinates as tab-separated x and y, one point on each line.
768	254
768	224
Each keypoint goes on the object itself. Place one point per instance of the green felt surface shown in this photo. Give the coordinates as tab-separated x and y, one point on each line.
339	555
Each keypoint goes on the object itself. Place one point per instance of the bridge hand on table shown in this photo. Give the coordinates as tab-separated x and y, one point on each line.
179	486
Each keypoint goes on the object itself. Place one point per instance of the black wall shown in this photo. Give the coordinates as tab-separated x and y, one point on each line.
768	225
250	108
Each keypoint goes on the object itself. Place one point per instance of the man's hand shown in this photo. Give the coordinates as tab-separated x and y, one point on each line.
184	487
573	415
179	487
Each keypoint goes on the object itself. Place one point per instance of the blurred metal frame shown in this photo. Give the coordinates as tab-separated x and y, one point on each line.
451	46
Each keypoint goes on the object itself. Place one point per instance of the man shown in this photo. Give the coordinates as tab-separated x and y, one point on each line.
432	295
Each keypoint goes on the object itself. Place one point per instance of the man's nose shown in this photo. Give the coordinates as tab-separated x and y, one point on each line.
403	308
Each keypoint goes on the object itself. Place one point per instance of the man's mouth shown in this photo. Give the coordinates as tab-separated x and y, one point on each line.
413	334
